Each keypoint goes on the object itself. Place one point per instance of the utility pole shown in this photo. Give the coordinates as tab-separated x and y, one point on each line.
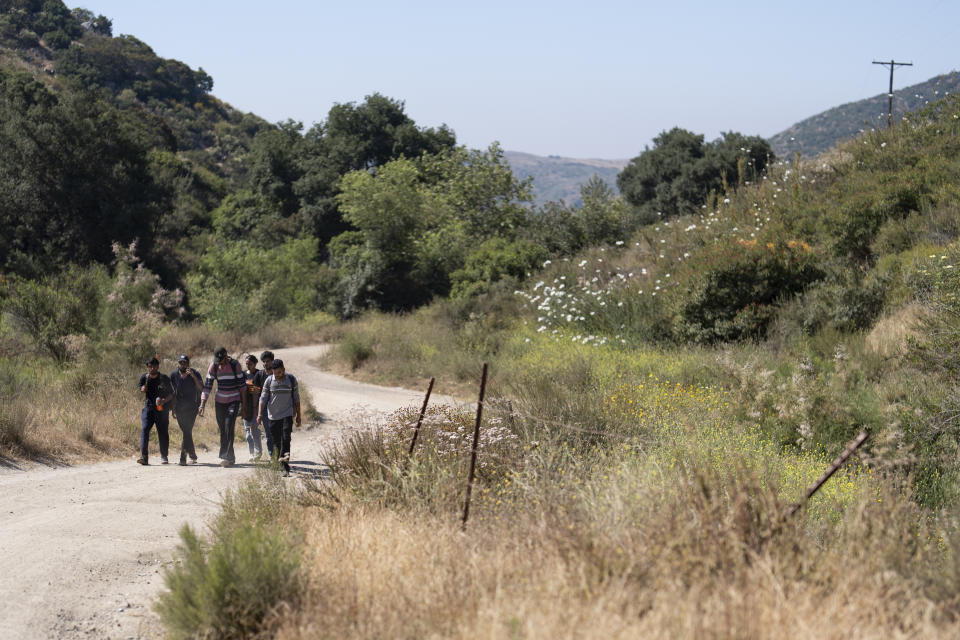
892	64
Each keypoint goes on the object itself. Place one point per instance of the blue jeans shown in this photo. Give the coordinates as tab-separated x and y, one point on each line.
252	431
149	417
227	424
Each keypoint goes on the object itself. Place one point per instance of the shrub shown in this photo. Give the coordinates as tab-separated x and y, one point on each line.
231	588
236	585
734	290
357	347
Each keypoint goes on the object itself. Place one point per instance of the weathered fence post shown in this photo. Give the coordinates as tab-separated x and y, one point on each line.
423	411
855	444
476	445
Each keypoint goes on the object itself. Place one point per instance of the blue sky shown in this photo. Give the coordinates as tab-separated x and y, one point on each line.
578	79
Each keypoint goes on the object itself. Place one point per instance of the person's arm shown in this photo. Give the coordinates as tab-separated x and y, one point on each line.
264	399
207	388
169	385
143	384
196	378
296	401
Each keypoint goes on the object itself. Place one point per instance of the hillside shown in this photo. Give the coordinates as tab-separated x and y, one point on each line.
559	179
822	131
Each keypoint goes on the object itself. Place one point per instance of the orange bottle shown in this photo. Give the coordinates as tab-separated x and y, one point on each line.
159	404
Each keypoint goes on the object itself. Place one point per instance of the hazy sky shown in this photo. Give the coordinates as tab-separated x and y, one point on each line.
583	79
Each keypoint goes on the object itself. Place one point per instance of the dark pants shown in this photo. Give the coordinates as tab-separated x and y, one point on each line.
227	423
149	417
268	436
280	432
186	417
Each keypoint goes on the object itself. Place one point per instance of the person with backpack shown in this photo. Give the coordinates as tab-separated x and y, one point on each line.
187	387
250	407
157	393
231	394
280	401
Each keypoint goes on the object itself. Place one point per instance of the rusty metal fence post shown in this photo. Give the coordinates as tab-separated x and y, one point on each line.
476	445
855	444
423	411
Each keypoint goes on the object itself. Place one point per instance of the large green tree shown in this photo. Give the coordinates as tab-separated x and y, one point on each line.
677	174
73	179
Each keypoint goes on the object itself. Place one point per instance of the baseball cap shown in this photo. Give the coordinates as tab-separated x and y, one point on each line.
183	358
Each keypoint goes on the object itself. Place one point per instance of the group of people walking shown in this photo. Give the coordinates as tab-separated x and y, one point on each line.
269	397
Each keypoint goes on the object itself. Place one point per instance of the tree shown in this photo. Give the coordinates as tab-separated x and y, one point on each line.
73	179
677	174
357	137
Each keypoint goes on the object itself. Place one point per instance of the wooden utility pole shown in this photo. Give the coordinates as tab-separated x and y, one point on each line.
892	64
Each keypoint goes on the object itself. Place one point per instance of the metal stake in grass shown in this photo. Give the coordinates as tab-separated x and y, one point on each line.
476	445
423	410
855	444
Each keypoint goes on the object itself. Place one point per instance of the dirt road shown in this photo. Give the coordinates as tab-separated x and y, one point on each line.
82	548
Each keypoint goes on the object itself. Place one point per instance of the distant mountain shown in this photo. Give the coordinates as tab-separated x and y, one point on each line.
559	179
822	131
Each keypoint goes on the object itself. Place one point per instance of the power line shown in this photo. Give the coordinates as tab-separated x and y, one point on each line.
892	64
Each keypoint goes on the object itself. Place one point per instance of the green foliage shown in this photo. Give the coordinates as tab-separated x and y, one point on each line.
51	309
677	174
734	289
494	260
420	220
73	179
229	588
236	285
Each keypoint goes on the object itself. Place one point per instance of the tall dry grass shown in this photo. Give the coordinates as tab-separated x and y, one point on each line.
702	563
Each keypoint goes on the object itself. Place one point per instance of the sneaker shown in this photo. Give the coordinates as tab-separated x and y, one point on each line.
257	457
142	461
252	459
193	459
285	457
183	462
225	463
163	460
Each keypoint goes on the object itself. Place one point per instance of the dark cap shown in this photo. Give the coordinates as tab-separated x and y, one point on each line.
183	358
152	361
277	364
220	353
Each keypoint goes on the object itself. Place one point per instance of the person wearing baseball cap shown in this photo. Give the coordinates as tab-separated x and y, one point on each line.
157	393
187	386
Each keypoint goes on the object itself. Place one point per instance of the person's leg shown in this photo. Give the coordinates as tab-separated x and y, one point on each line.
252	432
268	436
186	418
163	432
230	426
286	434
222	429
275	427
145	424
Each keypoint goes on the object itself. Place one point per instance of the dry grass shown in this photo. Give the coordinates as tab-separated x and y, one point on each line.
375	573
84	414
889	336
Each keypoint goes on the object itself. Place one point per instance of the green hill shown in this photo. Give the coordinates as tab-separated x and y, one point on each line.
818	133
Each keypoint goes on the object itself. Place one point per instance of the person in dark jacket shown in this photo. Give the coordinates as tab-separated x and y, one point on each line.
157	394
187	387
